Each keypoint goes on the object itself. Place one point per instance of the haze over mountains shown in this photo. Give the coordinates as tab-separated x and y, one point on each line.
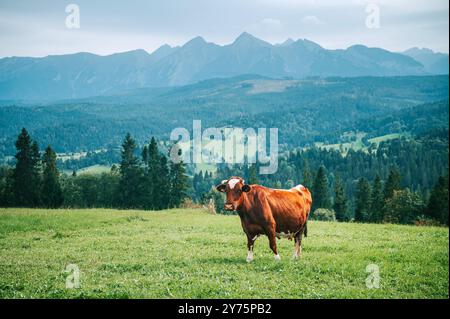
304	111
85	74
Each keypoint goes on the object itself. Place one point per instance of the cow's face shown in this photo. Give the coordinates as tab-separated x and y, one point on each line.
233	188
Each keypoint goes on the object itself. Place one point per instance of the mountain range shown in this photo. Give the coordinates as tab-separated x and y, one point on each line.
84	74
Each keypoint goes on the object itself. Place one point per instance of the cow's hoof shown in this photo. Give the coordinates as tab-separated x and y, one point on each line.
294	256
249	256
277	258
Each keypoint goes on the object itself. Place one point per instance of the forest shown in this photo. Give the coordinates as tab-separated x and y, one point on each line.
148	181
304	111
403	180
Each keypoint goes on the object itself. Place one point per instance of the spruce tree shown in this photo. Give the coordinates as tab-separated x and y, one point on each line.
362	200
403	207
161	190
51	196
307	180
253	175
130	175
377	201
393	183
178	183
151	196
340	202
145	155
321	197
35	178
438	203
26	179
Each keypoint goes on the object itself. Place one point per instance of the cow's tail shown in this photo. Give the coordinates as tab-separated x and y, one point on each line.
305	230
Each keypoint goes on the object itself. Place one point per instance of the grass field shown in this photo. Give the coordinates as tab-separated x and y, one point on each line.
358	144
93	170
191	254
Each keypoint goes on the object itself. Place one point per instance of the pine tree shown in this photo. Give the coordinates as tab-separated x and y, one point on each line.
362	200
321	197
340	202
52	196
393	183
151	179
438	202
403	207
130	175
26	179
307	180
253	175
6	195
35	177
178	183
377	201
145	155
161	190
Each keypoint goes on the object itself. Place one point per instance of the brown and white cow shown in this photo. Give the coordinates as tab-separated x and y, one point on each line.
266	211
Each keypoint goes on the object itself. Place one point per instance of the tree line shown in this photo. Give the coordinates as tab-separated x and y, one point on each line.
148	181
376	203
398	181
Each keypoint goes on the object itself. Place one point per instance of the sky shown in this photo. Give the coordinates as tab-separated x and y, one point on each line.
38	28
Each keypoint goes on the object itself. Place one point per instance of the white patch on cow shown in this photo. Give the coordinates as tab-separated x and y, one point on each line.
249	256
254	238
277	257
300	187
232	182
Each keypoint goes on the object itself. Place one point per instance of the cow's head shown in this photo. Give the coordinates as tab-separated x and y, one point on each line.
233	188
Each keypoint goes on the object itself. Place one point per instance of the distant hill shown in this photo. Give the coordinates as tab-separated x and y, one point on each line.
434	62
304	111
85	74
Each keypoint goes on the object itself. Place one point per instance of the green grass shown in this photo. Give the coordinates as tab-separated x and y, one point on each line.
377	140
358	144
93	170
191	254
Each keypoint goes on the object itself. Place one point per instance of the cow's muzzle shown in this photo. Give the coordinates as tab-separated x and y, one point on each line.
228	207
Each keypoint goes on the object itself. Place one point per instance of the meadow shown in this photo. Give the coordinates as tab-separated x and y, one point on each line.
188	253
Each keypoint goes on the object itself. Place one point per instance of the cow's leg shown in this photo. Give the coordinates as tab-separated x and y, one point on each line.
298	245
273	242
250	243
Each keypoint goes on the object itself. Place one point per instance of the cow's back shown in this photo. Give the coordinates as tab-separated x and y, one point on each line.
289	208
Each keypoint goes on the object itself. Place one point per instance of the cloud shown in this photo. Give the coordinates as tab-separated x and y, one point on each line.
312	20
37	28
271	23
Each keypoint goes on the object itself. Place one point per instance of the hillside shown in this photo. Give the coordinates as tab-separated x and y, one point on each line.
191	254
86	74
305	111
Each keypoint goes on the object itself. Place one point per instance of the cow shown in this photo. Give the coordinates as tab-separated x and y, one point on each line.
266	211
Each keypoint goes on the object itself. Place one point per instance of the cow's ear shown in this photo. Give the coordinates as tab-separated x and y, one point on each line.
221	187
246	188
